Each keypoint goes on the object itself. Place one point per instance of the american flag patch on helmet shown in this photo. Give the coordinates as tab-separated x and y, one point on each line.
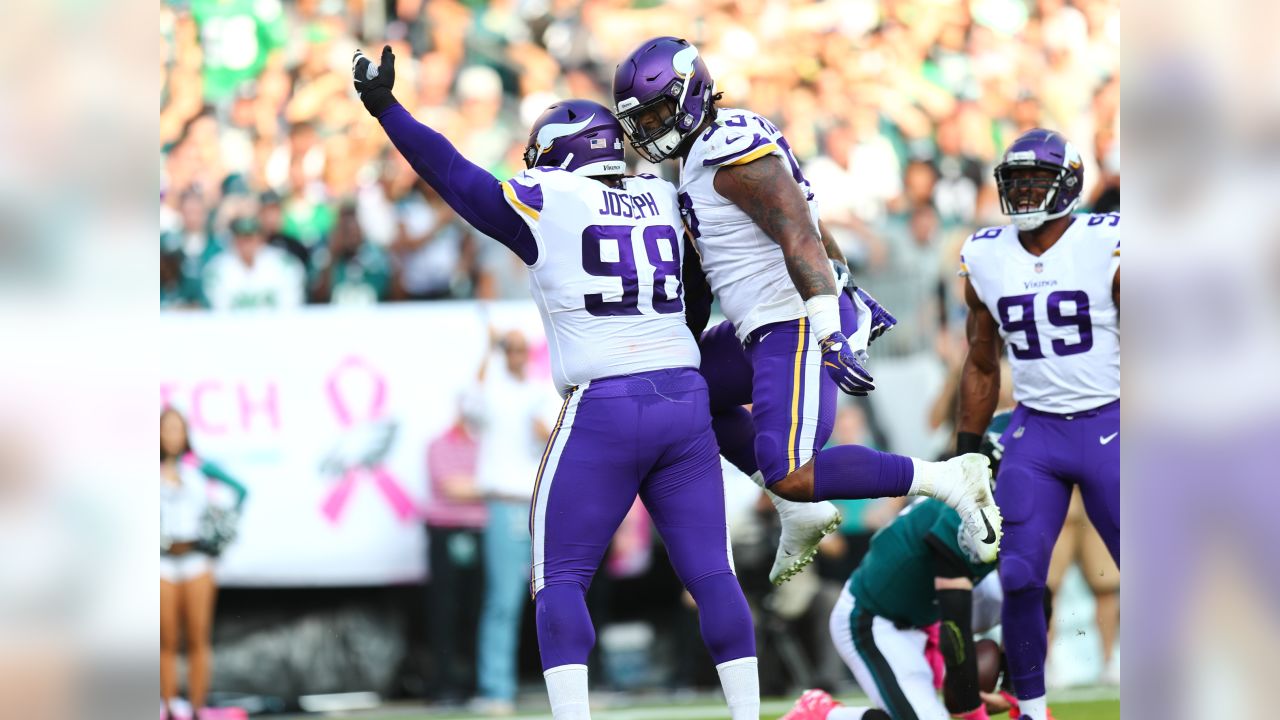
597	143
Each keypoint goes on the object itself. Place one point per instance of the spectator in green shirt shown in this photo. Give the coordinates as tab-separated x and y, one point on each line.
238	38
349	271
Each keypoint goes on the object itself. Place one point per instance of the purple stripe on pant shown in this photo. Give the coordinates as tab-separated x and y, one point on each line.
1044	456
648	434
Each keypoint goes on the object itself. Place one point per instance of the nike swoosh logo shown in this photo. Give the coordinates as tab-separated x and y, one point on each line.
1107	439
762	337
991	532
732	140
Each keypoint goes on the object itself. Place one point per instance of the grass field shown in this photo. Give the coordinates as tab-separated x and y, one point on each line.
1088	704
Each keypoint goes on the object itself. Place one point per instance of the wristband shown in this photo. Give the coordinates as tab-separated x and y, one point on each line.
967	442
377	100
824	315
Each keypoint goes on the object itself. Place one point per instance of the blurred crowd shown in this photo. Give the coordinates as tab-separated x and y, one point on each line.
279	190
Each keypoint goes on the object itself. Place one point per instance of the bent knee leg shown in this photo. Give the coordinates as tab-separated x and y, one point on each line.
797	486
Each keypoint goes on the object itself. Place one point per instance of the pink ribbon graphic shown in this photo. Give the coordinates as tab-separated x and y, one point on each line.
370	465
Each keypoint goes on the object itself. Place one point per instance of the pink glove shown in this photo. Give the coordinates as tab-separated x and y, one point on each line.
979	714
1014	712
933	653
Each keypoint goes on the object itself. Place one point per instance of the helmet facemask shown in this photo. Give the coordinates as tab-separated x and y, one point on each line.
1028	189
657	128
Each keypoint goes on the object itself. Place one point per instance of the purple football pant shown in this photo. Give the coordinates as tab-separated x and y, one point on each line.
793	406
1044	455
647	434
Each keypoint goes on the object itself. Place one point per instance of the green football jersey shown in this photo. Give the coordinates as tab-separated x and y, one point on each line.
236	36
895	579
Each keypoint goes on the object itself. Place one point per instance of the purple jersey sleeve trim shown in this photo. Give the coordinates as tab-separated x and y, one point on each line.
757	142
528	196
468	188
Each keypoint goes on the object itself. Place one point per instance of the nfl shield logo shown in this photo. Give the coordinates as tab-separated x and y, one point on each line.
597	143
1039	267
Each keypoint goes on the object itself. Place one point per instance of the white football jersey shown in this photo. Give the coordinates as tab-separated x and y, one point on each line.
1059	324
607	277
745	268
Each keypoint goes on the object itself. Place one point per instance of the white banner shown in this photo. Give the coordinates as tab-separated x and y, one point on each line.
325	415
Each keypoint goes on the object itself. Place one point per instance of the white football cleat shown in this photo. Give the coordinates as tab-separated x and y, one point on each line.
964	483
803	527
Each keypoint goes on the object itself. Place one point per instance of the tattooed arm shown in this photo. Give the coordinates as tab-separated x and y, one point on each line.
769	195
766	191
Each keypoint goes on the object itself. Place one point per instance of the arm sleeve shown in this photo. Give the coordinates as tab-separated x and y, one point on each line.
214	472
947	560
956	607
470	190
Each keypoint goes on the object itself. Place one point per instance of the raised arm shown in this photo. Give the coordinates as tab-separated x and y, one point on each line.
469	189
766	191
980	376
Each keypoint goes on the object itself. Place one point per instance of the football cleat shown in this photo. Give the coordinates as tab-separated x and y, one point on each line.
803	527
964	483
812	705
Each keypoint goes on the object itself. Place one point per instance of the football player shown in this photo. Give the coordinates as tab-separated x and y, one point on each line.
604	255
921	569
792	337
1048	286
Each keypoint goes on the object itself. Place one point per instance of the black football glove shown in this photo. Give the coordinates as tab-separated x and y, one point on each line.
373	83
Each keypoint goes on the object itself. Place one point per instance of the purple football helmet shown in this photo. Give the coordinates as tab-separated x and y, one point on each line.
1029	197
661	92
580	136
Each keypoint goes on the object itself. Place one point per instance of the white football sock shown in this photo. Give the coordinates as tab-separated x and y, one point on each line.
780	504
847	713
567	689
740	680
1033	709
919	471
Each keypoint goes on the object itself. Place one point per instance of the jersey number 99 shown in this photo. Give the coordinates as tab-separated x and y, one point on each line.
1026	323
607	252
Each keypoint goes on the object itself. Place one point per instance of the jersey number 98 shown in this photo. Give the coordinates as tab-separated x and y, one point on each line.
661	247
